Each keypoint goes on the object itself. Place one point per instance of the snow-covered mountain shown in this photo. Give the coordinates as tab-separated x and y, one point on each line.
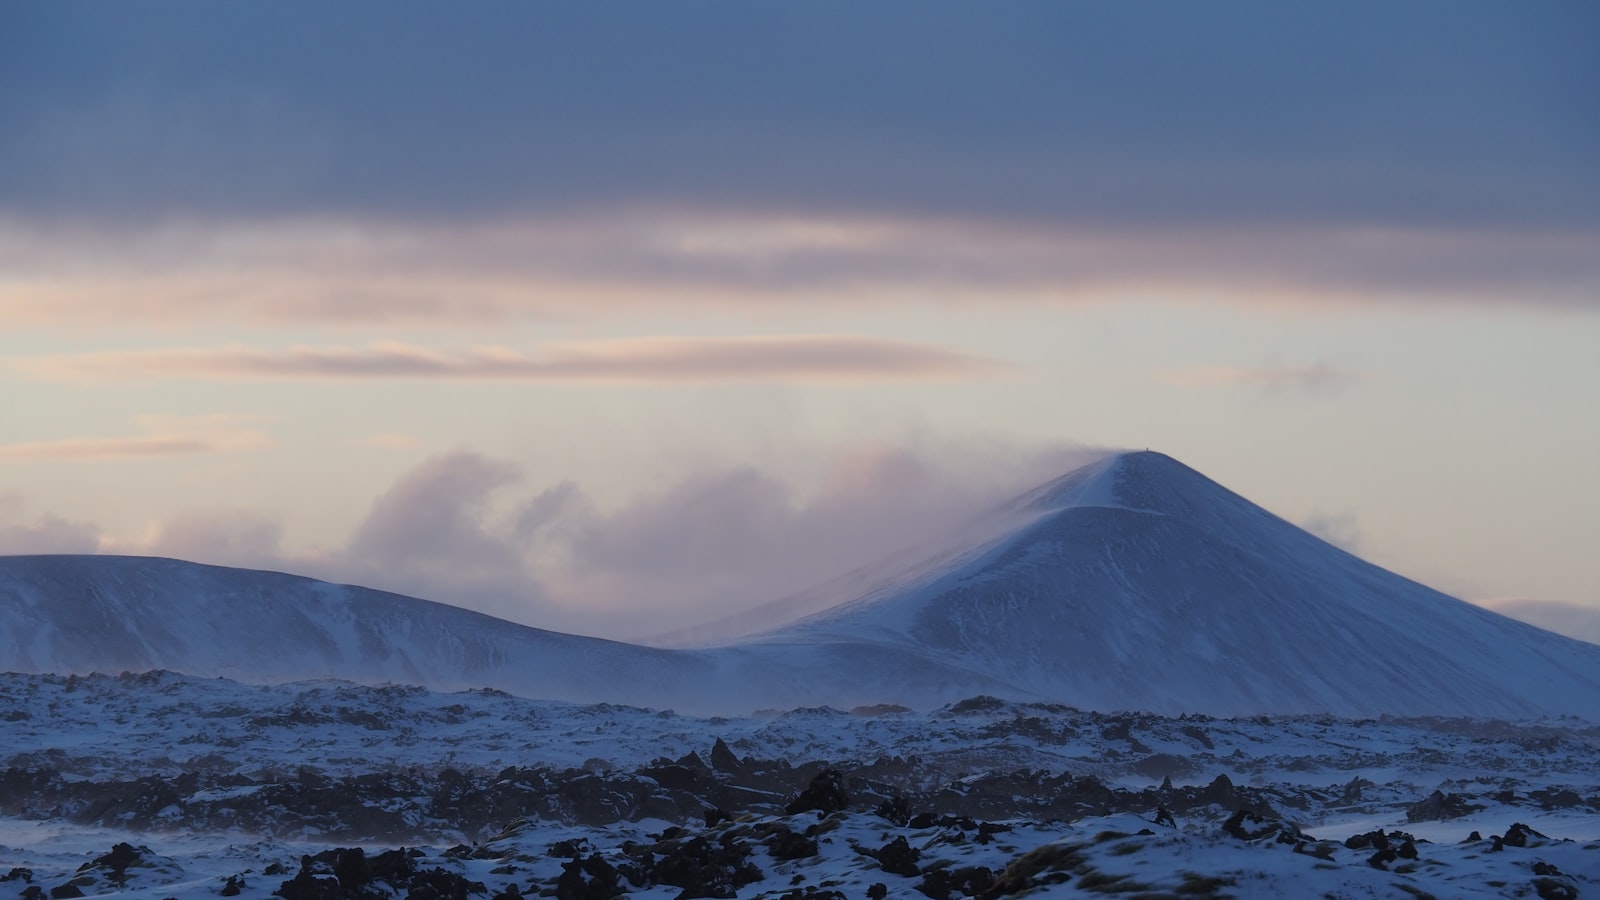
1133	583
1137	582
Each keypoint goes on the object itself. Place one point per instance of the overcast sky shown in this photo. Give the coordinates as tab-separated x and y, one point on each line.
610	317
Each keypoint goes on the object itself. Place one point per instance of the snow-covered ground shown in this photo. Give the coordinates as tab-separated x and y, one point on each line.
209	779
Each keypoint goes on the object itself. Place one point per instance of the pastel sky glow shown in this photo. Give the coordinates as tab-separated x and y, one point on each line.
612	317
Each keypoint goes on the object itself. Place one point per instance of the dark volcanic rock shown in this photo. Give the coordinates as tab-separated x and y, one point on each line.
1553	798
1440	807
116	863
723	759
825	794
706	868
899	858
1520	835
1220	792
1555	889
345	873
1247	826
588	878
1163	765
945	884
1374	839
785	843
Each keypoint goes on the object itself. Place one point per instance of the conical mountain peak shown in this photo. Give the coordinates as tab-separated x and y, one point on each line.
1137	582
1143	480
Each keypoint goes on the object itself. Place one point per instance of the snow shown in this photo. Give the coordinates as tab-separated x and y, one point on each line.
112	729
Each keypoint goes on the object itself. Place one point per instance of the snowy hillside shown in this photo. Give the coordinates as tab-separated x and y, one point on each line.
1132	583
83	614
80	614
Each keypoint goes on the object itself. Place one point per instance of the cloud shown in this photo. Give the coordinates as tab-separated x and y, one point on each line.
432	534
20	534
1341	529
470	530
164	436
161	169
373	273
1574	620
1317	378
221	537
1237	111
726	538
837	358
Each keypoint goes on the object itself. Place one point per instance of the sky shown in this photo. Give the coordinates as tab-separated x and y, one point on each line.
616	317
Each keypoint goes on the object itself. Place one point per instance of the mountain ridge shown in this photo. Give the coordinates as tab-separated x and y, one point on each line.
1132	583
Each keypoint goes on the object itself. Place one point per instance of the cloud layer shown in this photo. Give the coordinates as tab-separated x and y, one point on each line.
365	273
1239	111
639	360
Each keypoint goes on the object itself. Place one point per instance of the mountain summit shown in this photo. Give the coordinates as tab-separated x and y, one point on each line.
1131	583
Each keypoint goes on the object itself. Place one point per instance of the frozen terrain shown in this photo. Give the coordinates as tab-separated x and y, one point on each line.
209	782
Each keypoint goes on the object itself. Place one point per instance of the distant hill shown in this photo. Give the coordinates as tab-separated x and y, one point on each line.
80	614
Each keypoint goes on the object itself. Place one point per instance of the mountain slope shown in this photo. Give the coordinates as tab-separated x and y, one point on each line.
82	614
1139	583
77	614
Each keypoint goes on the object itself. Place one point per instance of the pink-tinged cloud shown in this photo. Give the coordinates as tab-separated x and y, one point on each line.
164	436
375	272
787	358
1316	377
471	530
